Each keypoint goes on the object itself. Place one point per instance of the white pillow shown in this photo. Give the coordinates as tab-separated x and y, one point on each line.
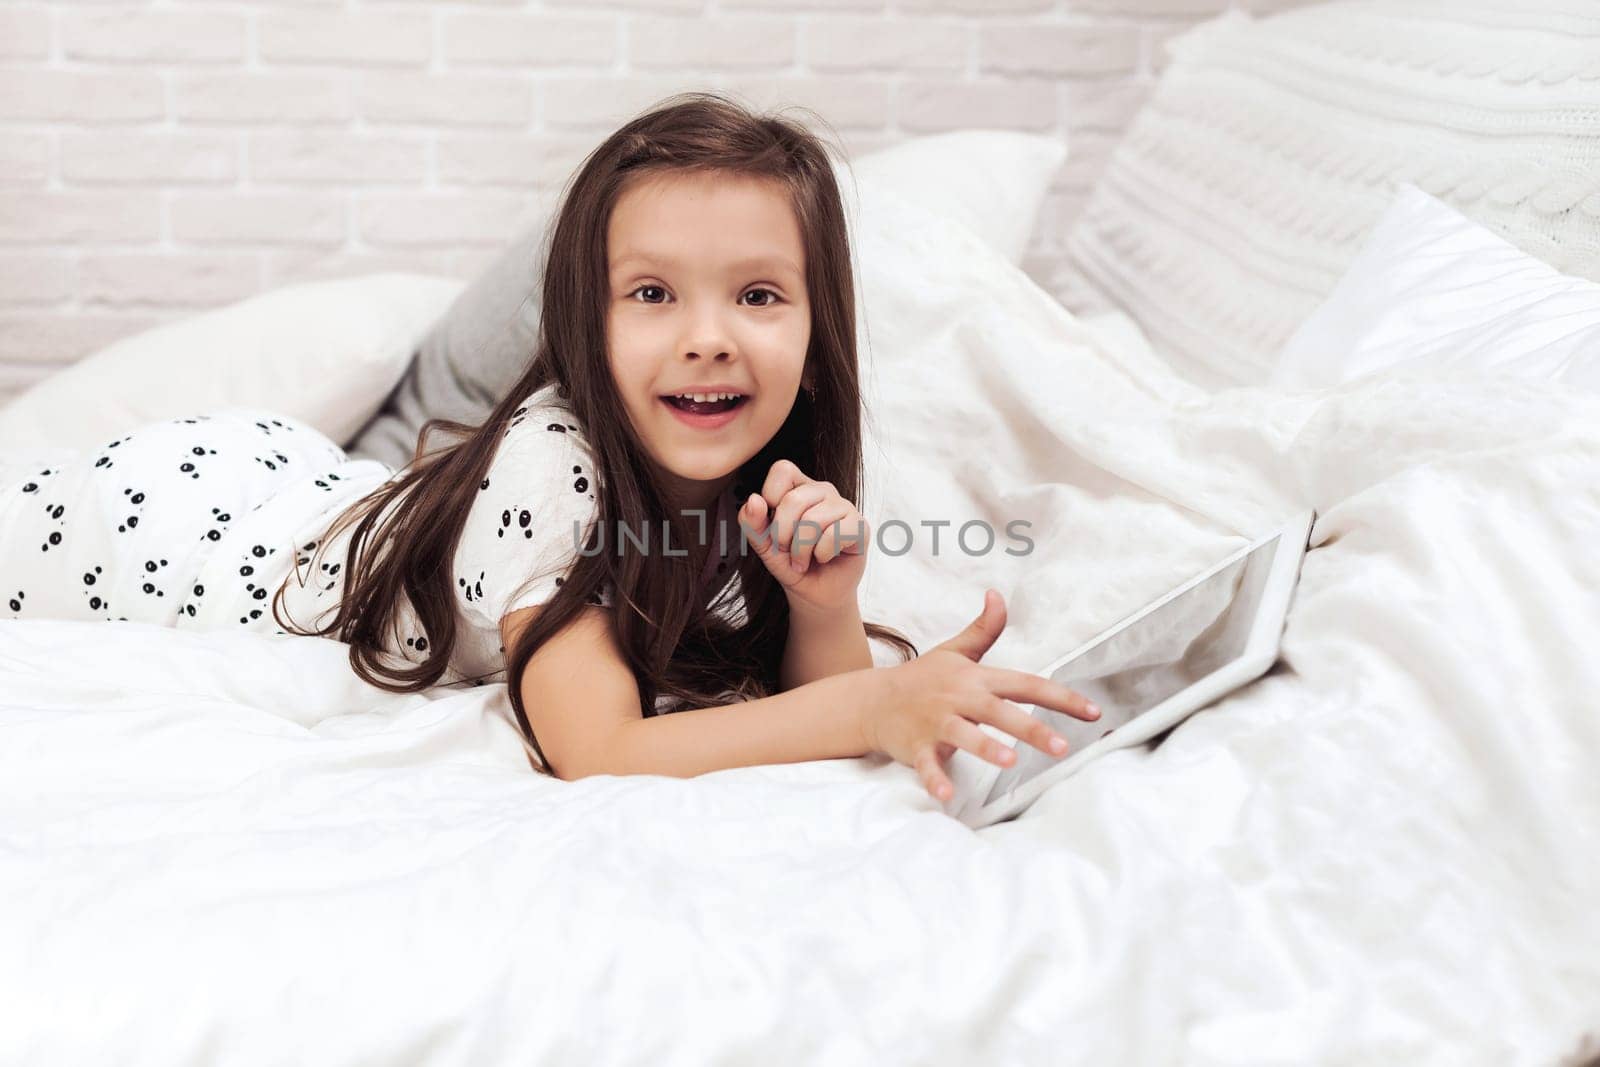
990	181
325	352
1435	292
952	335
1269	148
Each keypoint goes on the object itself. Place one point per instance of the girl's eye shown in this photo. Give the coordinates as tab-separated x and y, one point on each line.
772	297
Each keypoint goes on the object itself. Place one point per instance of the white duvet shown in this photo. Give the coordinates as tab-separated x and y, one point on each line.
221	848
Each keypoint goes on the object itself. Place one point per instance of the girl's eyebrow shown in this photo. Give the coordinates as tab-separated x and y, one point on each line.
748	263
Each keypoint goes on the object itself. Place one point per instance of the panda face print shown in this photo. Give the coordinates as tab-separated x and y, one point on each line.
56	513
250	559
193	459
104	461
269	427
134	499
521	517
517	418
93	591
221	518
152	570
273	460
198	592
330	571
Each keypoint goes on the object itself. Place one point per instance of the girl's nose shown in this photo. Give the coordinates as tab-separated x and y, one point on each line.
707	336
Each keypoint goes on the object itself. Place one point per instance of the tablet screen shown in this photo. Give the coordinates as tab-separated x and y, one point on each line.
1140	665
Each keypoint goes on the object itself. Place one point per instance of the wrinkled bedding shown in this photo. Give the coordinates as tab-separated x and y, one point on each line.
227	848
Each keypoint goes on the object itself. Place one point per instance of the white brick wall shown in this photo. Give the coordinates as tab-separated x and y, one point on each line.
159	157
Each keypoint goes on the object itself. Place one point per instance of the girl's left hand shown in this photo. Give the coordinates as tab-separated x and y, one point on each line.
820	576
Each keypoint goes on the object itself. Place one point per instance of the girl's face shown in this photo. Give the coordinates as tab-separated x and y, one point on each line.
708	295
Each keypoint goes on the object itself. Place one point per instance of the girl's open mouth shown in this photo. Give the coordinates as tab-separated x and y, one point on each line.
706	414
704	407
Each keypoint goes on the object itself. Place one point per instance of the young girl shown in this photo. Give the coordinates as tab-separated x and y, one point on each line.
696	375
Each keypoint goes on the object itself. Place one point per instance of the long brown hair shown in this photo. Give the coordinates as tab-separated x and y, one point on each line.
676	644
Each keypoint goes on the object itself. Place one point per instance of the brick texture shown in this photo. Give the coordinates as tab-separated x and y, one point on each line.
160	158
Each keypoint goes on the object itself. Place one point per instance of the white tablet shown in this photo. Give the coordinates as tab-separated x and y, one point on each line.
1214	633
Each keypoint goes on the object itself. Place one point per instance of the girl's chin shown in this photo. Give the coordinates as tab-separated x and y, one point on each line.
697	474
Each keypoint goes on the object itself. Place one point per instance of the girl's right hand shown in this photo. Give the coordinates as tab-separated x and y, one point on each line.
933	704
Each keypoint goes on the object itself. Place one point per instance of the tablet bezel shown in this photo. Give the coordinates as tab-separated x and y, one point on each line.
974	777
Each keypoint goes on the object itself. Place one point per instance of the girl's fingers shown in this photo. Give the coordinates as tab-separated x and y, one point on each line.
824	535
848	533
933	776
795	503
783	476
1024	727
963	734
753	514
1027	688
757	515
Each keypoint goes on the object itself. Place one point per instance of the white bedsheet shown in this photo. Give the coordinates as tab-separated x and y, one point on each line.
226	848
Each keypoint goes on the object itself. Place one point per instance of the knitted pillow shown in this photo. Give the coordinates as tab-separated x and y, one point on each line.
1269	148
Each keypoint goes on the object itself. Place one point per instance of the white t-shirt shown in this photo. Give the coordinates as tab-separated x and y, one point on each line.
515	547
533	510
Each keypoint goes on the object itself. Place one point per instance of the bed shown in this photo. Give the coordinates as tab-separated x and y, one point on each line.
222	847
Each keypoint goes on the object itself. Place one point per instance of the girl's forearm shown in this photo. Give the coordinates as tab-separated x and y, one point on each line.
824	719
822	645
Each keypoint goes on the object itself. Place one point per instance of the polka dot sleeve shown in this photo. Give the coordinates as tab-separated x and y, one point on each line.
519	539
